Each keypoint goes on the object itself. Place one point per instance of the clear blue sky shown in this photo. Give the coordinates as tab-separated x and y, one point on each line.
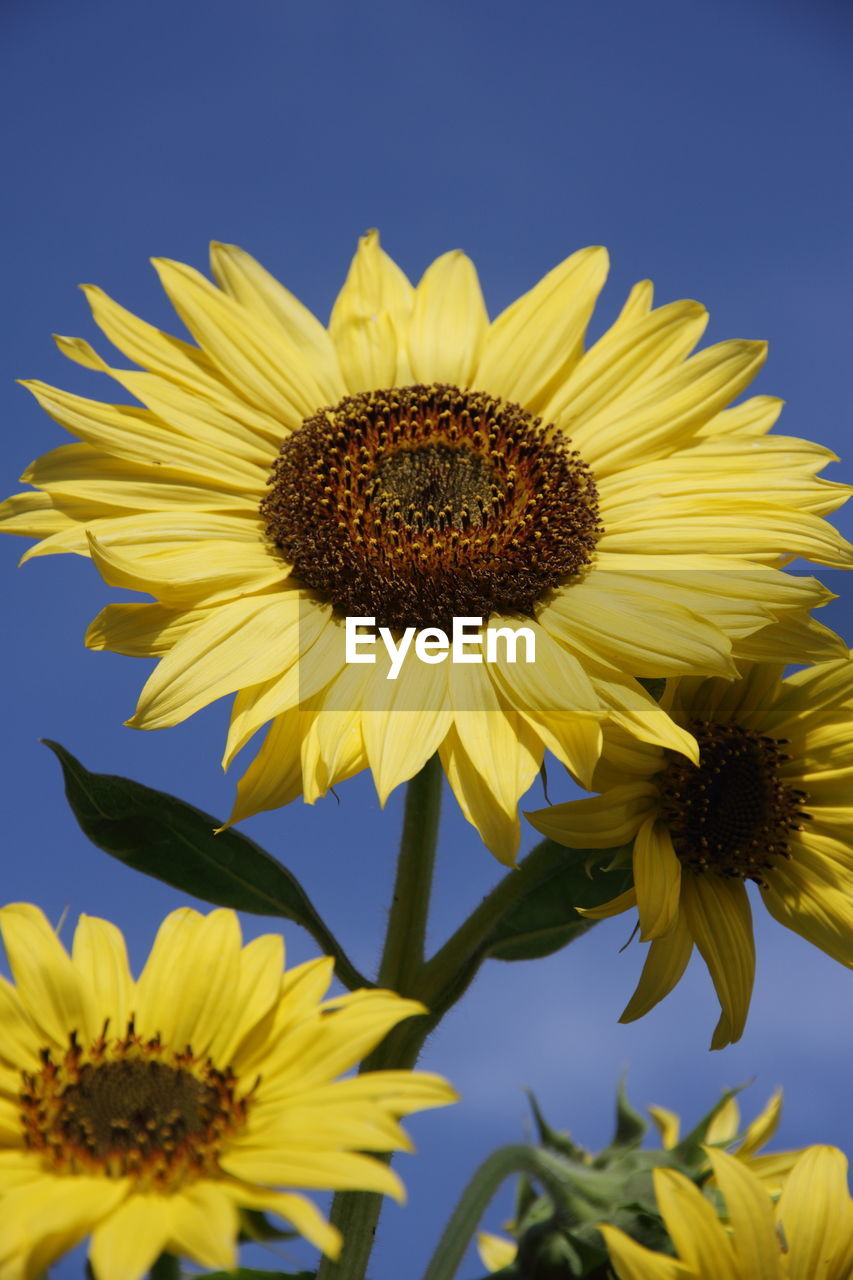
705	142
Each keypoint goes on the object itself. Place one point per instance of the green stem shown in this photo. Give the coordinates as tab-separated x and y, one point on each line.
356	1213
167	1267
476	1197
403	953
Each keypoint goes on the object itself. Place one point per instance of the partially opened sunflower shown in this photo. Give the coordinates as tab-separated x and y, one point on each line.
146	1113
768	802
415	462
806	1235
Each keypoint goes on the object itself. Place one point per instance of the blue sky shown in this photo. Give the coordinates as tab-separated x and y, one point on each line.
703	141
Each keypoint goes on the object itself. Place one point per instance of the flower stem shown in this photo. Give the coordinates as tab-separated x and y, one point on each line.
403	953
356	1213
475	1199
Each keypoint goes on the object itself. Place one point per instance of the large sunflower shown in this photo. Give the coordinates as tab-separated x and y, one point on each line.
414	463
806	1235
770	802
148	1113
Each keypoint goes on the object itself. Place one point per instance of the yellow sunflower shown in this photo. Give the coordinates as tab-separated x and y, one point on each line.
415	463
806	1235
770	802
724	1130
147	1113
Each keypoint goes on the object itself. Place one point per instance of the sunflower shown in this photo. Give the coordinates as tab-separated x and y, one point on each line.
414	463
768	802
722	1129
148	1113
806	1235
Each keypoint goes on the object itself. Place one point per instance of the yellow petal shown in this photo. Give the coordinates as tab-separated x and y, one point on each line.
623	359
669	408
719	918
657	877
816	1215
297	1210
126	1245
370	319
668	1125
762	1129
749	1210
403	721
48	985
696	1232
495	1252
241	276
597	822
449	322
239	644
254	356
99	955
665	963
635	1262
204	1225
533	343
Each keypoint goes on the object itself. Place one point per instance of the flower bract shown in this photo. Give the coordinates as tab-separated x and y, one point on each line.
768	803
147	1113
415	462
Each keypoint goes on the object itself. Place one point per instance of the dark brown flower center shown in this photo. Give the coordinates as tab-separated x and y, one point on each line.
418	504
732	815
130	1108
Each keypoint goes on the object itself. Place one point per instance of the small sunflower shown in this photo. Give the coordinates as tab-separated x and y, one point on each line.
769	802
414	463
806	1235
147	1113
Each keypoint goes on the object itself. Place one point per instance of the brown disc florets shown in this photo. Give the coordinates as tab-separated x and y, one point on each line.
418	504
732	815
130	1108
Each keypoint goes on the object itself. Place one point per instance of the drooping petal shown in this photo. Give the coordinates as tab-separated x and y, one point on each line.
718	916
657	877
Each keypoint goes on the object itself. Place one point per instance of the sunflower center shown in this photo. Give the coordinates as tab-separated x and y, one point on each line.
415	505
130	1108
732	815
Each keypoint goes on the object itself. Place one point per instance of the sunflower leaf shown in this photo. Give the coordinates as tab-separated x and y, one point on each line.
544	919
162	836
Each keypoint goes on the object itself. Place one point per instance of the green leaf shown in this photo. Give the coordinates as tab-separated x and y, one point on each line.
164	837
544	920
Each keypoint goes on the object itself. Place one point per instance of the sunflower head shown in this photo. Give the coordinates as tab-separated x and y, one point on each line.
415	505
416	462
767	802
149	1113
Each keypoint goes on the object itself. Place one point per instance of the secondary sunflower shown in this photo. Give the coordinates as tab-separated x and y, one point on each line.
414	462
148	1113
806	1235
768	802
